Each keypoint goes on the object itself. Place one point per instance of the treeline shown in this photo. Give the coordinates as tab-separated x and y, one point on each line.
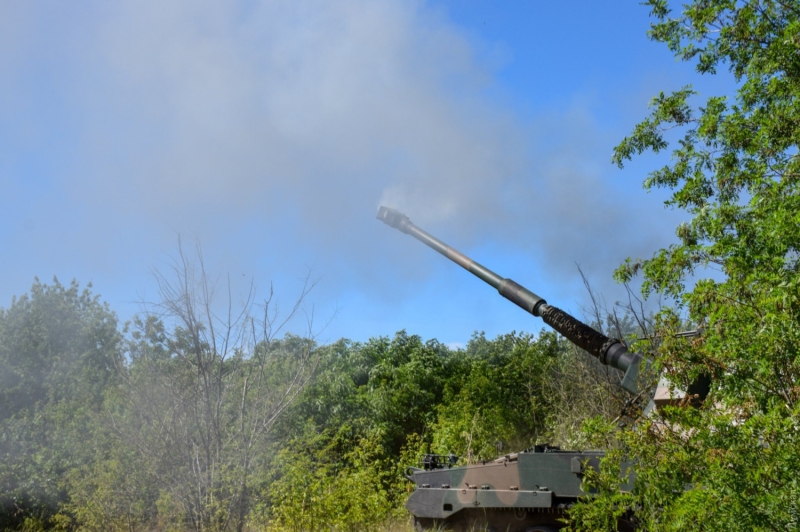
181	420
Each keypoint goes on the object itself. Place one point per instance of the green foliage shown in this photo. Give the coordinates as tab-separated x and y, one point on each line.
498	396
323	489
58	344
158	427
193	420
376	407
732	464
405	385
112	494
59	349
607	506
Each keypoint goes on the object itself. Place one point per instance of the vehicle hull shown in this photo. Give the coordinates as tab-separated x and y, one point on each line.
514	492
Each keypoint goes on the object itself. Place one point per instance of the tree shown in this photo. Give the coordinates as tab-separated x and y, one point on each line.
198	401
736	172
59	347
500	395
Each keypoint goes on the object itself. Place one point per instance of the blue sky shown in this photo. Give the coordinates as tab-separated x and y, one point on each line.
270	133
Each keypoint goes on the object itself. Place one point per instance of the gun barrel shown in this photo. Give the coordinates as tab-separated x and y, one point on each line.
608	350
507	288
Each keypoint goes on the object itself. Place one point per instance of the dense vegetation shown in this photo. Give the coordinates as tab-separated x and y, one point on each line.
192	426
734	463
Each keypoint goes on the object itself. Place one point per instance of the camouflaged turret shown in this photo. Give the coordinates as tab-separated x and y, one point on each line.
528	491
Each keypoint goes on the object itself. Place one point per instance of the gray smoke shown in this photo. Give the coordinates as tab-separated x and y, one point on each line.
283	125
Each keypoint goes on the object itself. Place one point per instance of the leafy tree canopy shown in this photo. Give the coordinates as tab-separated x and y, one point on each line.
732	464
59	349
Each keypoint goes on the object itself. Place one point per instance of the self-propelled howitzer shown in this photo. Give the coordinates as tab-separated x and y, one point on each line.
526	491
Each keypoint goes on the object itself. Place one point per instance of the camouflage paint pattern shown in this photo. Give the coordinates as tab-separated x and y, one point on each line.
533	480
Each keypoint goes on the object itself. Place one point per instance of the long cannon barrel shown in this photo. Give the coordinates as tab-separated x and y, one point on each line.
609	351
